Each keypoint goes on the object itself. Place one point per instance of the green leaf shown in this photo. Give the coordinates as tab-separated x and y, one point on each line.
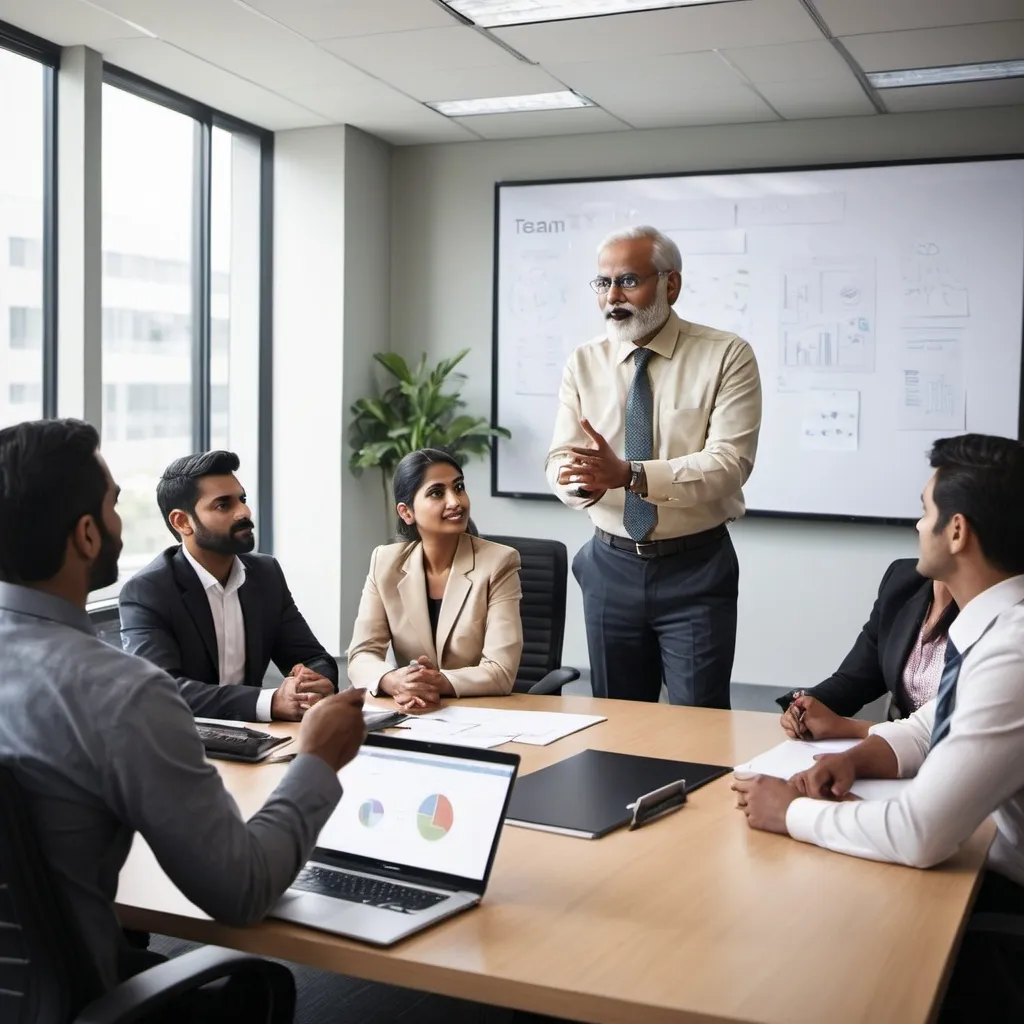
394	364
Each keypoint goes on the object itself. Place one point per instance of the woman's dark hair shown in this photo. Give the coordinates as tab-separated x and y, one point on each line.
943	622
981	477
408	479
49	479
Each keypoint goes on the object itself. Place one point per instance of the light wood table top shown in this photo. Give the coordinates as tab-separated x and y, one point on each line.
691	920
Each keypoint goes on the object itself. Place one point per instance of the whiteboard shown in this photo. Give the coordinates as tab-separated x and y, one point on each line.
883	303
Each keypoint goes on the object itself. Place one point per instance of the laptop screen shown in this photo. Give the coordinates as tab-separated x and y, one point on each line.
425	811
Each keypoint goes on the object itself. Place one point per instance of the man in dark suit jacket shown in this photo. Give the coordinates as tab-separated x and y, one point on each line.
876	663
214	615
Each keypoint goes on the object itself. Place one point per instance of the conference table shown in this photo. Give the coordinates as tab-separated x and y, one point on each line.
692	919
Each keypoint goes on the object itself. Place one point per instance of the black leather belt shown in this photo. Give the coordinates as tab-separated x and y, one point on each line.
660	548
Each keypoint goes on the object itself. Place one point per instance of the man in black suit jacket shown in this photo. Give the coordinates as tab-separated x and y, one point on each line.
875	664
214	615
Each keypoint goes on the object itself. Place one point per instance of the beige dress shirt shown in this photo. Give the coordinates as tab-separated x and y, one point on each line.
707	414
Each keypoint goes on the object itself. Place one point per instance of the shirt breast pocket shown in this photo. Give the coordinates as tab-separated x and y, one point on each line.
681	432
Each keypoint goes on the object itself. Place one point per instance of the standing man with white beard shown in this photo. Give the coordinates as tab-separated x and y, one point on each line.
655	436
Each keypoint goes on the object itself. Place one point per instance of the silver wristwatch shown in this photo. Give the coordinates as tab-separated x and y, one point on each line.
636	470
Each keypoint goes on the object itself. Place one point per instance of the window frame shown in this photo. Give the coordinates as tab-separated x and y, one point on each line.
33	47
205	119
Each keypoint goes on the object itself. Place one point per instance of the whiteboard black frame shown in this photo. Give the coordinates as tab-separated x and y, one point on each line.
757	513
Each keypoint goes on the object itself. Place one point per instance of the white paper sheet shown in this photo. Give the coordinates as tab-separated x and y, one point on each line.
792	756
830	421
480	726
933	393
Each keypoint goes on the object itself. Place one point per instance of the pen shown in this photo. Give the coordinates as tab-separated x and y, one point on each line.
799	714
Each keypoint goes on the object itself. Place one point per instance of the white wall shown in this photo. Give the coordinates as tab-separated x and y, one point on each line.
806	588
367	330
331	312
309	268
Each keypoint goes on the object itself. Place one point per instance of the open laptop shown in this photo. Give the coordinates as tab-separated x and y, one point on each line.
411	842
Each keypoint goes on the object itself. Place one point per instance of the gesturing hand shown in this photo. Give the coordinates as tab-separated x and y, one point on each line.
334	728
597	468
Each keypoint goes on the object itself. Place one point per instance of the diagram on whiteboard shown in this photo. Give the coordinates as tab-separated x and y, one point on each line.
830	421
934	281
539	362
828	316
536	295
716	292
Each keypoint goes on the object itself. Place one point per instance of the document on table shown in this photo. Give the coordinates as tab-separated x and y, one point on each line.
489	727
793	756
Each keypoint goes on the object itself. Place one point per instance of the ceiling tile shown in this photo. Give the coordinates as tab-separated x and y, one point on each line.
933	47
66	22
691	88
419	128
173	68
946	97
624	37
789	62
543	122
333	19
473	83
853	17
427	49
821	97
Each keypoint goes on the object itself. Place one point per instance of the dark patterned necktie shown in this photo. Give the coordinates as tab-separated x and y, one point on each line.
639	516
945	698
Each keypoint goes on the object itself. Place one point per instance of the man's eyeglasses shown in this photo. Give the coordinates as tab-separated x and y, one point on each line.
625	282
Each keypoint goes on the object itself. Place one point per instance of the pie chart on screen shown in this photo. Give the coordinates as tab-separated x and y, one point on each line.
435	817
371	813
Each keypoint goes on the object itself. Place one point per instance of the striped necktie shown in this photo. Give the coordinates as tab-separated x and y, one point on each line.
945	698
639	516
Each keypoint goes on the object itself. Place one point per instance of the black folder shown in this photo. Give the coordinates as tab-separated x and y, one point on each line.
588	794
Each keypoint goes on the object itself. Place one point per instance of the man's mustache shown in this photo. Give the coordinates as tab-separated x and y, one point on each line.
243	524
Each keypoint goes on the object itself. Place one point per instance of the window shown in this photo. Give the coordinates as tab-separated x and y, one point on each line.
26	252
184	325
148	301
23	130
26	328
235	300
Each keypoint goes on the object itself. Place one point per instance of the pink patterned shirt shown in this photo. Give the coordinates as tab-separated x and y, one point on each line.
923	670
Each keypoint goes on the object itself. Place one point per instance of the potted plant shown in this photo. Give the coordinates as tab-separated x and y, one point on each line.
422	409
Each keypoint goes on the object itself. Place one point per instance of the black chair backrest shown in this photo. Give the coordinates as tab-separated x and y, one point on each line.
46	974
106	620
543	575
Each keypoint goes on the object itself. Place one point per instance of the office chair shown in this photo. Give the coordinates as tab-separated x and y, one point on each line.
543	577
46	972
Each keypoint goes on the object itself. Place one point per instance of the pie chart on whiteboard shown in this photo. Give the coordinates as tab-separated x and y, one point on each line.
435	817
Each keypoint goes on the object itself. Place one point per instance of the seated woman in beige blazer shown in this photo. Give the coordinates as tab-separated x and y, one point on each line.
446	601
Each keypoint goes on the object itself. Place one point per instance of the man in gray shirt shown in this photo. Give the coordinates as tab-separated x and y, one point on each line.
101	741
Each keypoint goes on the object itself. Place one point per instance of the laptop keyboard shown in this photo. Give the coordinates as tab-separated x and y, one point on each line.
370	891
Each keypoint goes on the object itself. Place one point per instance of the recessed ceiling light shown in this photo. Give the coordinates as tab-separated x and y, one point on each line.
947	75
511	104
491	13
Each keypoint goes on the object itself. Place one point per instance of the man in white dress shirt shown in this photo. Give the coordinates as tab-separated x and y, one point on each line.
964	750
212	614
655	435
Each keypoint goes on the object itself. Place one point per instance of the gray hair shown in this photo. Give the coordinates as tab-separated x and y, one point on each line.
665	252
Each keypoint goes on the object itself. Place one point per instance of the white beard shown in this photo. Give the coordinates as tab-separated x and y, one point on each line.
644	321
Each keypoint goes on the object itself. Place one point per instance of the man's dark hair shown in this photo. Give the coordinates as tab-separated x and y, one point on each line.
179	486
982	478
49	479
